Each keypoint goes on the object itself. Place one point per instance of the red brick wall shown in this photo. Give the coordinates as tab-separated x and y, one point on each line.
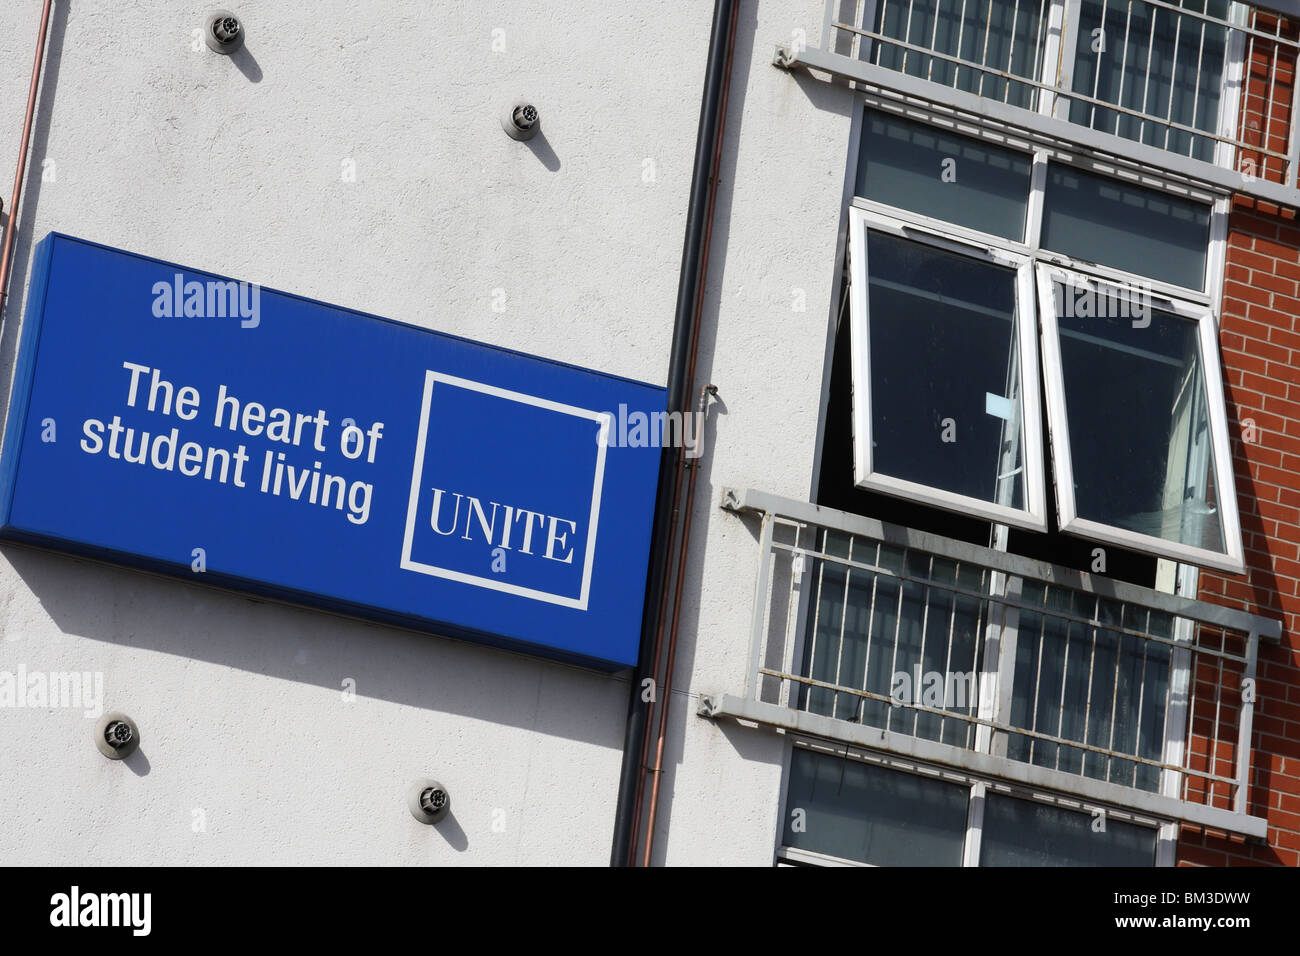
1260	341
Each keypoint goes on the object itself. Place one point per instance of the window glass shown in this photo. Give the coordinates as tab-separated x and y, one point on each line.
1155	61
872	815
1103	220
945	176
945	382
1027	833
1137	417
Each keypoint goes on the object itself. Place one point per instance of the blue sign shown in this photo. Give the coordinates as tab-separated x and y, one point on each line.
182	422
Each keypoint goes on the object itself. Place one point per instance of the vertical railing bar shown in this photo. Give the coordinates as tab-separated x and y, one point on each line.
1011	48
871	622
934	39
793	602
1142	687
1243	113
1173	81
1268	107
1096	74
794	609
844	620
898	623
1218	711
947	658
762	602
907	34
1196	88
828	25
1292	175
1114	697
1188	734
1123	64
1065	669
975	668
961	31
884	14
816	598
1240	802
1092	660
1040	41
1038	676
1003	588
1146	80
984	53
925	626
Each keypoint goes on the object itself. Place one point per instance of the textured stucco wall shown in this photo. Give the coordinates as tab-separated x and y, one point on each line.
236	166
764	345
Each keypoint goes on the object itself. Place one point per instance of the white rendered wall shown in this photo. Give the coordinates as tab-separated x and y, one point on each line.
781	207
237	166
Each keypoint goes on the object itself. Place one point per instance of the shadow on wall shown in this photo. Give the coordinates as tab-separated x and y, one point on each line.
824	97
101	602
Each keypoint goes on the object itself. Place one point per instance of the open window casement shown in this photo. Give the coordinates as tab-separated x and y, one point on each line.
945	372
1138	423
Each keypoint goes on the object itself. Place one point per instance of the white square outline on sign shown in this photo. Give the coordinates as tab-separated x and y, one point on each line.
602	441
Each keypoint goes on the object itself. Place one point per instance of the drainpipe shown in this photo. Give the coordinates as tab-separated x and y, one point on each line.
7	250
673	463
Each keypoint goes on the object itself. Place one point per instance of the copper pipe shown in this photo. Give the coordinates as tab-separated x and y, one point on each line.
654	677
7	252
657	769
664	689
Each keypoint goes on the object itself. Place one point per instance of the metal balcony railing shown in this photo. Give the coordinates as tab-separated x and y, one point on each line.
1203	89
876	635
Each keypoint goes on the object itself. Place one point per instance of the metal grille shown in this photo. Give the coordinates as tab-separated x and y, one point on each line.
1204	80
924	638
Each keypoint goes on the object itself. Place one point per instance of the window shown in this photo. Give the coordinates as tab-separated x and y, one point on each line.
1020	832
945	321
899	158
1098	219
843	809
871	815
945	354
1138	425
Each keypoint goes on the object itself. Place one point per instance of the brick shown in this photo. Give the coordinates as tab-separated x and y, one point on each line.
1250	293
1274	283
1258	382
1270	317
1252	260
1250	328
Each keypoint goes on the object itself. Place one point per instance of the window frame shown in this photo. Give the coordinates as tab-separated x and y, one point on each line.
1202	303
1033	516
1233	559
